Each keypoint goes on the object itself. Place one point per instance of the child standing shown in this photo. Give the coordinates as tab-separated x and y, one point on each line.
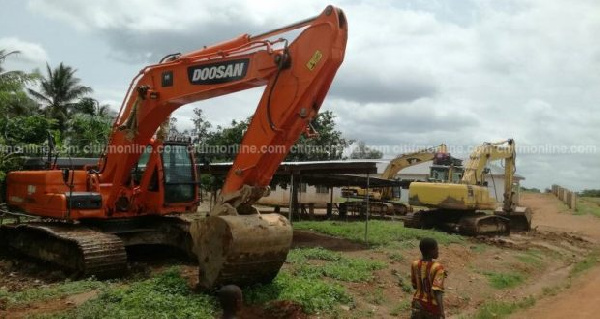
427	278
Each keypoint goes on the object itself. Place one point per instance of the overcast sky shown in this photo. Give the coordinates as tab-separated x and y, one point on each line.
417	72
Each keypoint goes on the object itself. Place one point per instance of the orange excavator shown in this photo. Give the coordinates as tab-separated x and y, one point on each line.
143	184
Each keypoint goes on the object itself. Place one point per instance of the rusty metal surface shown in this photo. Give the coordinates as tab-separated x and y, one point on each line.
520	218
71	246
240	249
484	224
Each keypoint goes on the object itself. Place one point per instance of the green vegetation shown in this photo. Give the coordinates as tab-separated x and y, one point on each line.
395	256
402	307
304	284
478	248
530	190
504	280
532	257
55	291
590	193
337	267
495	310
362	151
554	290
164	296
380	232
352	270
301	255
313	294
588	205
588	262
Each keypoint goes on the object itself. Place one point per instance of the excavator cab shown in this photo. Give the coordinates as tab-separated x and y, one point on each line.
179	182
166	170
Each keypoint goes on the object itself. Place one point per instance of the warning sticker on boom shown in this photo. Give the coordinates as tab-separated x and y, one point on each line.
312	63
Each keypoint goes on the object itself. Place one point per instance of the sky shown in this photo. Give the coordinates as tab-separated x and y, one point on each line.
416	73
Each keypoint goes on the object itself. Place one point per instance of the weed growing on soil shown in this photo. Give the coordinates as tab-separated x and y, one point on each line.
377	297
588	262
395	256
337	267
164	296
403	282
352	270
496	310
588	205
402	307
478	248
554	290
504	280
25	297
318	253
532	257
380	232
312	294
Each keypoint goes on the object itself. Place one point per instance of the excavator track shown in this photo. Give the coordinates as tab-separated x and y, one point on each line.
80	249
465	223
413	220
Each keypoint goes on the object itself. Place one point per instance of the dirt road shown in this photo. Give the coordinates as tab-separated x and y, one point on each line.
548	217
582	299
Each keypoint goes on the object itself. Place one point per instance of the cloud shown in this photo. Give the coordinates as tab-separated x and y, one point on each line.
28	52
416	72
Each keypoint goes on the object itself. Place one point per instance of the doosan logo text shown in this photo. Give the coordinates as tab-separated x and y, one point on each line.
216	73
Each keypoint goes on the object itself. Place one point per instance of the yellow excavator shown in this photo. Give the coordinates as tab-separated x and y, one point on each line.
457	207
386	196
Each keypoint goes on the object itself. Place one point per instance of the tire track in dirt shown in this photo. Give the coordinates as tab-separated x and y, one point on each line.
582	299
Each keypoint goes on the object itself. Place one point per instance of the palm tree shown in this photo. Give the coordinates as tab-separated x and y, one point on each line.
13	99
91	106
60	91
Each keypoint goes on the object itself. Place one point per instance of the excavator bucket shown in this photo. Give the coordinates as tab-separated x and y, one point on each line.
243	249
520	218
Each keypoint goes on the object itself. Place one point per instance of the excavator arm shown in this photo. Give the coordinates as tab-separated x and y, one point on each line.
484	154
297	77
406	160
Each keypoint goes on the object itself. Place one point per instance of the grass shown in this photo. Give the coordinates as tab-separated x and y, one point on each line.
55	291
554	290
313	295
588	205
164	296
337	267
588	262
496	309
380	232
168	295
532	257
303	282
402	307
478	248
504	280
377	297
318	253
395	256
